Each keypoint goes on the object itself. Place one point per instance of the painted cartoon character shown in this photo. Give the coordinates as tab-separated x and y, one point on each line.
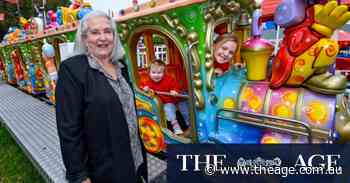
306	52
24	23
70	14
53	20
14	34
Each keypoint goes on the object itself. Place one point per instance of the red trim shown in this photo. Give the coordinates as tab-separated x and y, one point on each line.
265	18
11	1
343	36
342	63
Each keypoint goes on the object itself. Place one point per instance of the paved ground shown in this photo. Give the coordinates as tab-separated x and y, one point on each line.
32	123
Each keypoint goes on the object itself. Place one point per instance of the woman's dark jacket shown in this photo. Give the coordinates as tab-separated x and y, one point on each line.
93	131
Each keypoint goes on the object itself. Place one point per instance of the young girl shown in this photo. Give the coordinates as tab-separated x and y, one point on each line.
159	81
225	50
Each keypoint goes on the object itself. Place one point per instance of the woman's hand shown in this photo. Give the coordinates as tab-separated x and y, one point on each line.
87	181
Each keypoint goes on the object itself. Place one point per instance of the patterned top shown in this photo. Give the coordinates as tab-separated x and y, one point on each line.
125	95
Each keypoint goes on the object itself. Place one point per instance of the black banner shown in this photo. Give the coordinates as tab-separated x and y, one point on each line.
238	163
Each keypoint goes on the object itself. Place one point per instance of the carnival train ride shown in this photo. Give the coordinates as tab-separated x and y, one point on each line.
294	101
29	58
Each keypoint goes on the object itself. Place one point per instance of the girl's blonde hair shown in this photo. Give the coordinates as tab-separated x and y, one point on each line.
223	38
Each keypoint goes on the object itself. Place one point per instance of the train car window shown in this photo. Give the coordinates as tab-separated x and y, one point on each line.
151	45
160	48
225	49
145	44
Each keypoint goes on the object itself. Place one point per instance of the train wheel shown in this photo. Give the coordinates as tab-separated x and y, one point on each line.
151	135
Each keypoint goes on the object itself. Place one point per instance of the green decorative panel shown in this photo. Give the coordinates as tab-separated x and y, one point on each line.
26	52
71	36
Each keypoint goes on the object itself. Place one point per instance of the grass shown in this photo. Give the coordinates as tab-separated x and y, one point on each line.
14	165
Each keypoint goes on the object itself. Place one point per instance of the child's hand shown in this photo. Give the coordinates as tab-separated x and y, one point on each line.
173	92
239	66
218	71
146	88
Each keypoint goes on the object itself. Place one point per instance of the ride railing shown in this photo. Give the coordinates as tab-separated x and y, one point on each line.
345	102
170	94
278	124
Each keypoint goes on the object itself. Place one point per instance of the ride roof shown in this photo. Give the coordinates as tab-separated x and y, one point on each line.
147	8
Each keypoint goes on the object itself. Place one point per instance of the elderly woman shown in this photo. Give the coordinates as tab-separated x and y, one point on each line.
95	109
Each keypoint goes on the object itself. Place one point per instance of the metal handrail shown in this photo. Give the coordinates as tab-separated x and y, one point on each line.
267	124
172	95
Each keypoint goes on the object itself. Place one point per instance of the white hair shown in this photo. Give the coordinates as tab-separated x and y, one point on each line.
80	46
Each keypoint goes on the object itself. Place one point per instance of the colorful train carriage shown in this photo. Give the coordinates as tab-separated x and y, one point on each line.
225	109
26	66
222	109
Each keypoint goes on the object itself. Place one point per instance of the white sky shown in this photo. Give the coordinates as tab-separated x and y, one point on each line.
114	5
